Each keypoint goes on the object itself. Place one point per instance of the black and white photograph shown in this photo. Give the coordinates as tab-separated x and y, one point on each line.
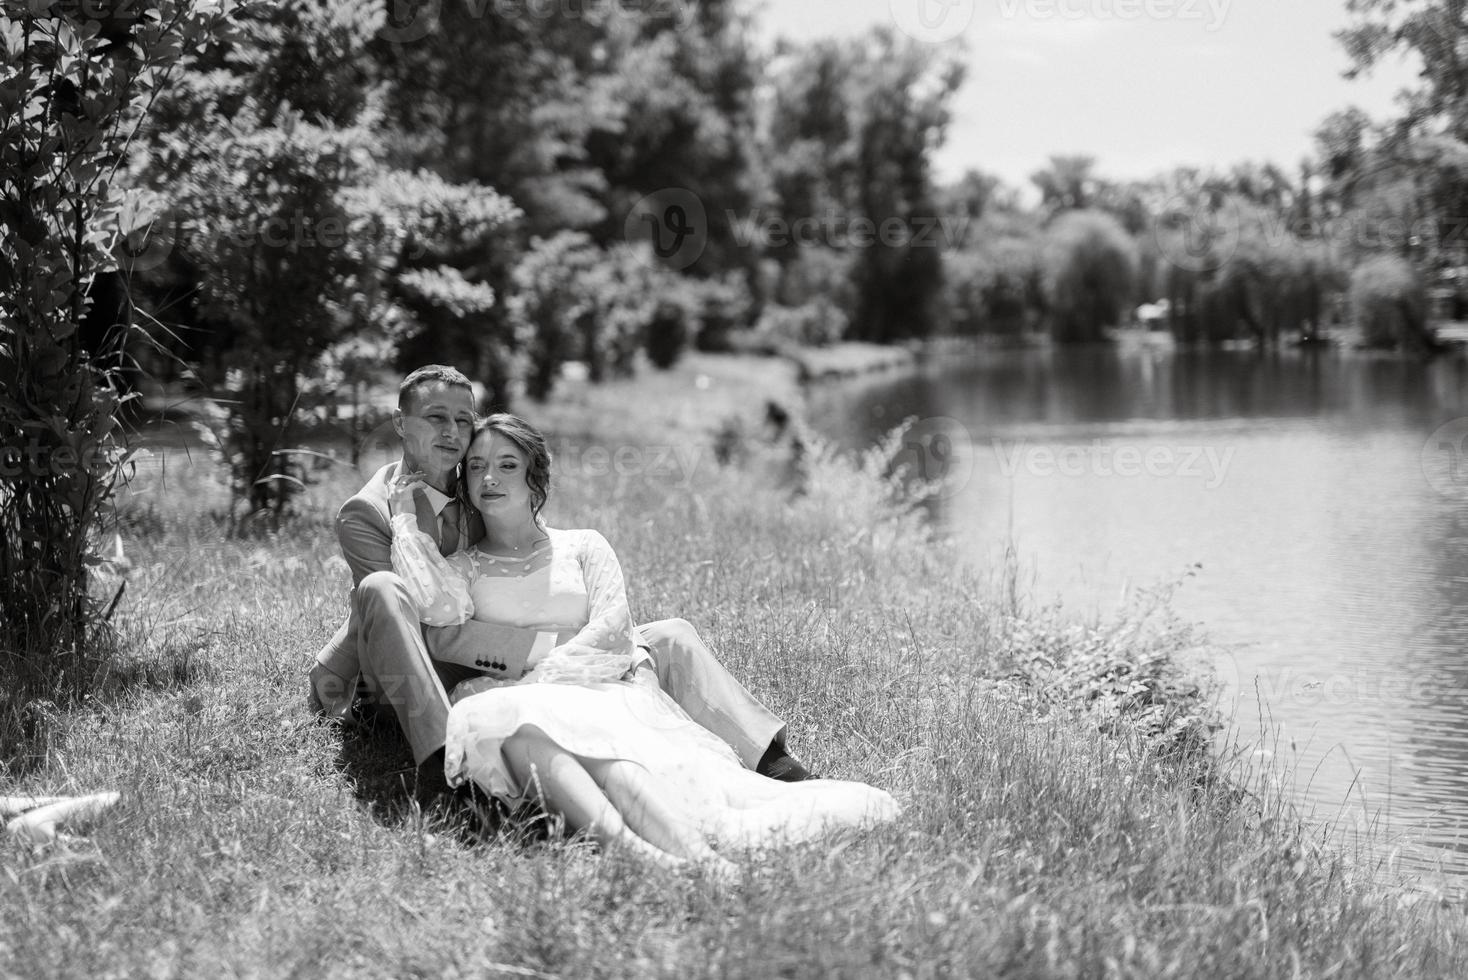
881	489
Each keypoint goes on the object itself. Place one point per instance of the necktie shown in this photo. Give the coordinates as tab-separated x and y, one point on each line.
449	538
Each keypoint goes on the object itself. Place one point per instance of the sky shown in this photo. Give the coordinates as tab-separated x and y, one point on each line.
1141	85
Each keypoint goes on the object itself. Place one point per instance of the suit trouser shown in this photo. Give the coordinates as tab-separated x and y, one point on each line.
398	669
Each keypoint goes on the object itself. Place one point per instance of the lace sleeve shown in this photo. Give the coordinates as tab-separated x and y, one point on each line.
439	589
603	649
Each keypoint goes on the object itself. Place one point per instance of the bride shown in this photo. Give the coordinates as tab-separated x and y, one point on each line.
614	757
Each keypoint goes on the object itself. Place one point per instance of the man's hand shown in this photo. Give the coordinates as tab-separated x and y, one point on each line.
645	676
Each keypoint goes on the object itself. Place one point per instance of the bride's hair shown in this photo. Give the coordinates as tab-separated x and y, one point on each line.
528	440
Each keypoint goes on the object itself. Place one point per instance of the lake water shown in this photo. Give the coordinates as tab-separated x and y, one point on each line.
1324	495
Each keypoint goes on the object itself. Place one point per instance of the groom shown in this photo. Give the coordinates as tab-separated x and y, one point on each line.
384	653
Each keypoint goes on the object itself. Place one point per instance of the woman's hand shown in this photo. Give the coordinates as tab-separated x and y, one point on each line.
644	675
400	493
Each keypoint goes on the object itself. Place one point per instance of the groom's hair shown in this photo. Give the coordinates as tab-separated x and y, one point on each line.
427	375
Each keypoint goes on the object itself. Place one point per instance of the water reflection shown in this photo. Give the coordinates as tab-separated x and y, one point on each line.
1334	576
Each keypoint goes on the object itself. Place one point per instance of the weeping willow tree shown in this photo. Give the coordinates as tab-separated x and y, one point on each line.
1090	275
76	80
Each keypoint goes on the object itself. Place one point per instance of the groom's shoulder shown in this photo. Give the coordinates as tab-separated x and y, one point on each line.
372	495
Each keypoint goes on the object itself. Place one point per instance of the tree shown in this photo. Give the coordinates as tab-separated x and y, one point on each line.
994	288
574	301
1340	142
1090	275
75	85
687	121
1428	144
852	130
504	95
1434	30
1389	305
1068	183
297	236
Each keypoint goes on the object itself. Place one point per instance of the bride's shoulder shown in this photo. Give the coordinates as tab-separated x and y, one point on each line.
581	537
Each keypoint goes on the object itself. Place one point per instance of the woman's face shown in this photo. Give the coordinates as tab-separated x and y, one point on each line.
494	473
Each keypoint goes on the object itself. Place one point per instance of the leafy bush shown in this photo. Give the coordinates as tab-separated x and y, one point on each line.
299	236
667	333
72	97
721	306
1090	275
1246	276
1388	303
817	274
994	288
574	301
818	323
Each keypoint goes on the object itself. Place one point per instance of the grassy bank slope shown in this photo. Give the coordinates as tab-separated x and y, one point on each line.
1040	838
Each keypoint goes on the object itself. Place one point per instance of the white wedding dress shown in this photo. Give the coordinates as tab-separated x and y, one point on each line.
576	696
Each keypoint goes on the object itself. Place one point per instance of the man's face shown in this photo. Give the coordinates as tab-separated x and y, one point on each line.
435	426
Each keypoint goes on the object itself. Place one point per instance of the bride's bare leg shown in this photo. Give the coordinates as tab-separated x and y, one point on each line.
635	795
568	789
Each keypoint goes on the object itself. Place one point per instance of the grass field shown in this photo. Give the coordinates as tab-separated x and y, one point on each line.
1060	819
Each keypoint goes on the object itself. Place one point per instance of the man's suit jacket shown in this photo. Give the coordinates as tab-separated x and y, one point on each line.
364	531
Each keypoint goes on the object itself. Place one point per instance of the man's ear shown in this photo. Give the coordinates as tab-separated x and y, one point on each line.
397	421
